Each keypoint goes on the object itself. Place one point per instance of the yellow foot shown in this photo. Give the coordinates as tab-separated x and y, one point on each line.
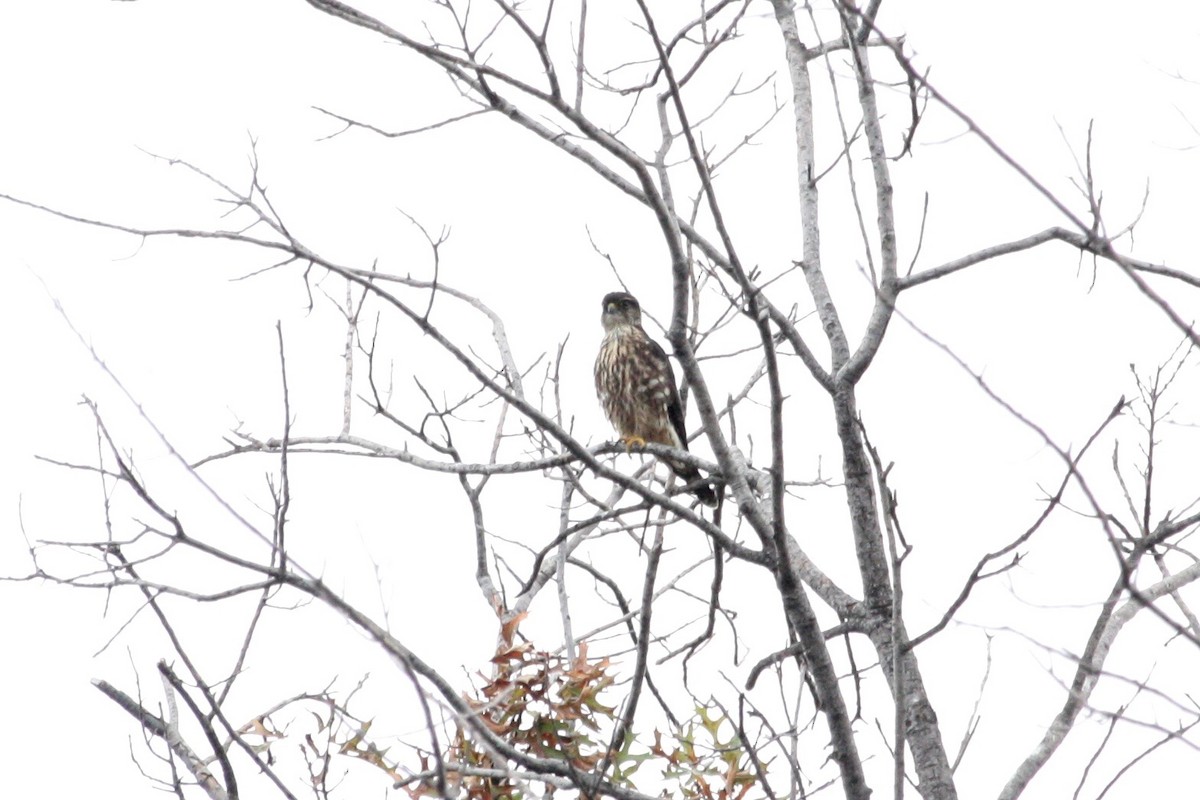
632	441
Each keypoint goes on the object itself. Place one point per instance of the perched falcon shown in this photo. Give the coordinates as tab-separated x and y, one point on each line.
636	387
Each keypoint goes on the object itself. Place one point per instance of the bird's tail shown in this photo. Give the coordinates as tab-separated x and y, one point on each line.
689	474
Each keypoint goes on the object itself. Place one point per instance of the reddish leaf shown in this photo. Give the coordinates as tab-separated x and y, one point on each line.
508	630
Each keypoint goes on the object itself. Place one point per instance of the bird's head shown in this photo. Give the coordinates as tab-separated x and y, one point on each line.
620	308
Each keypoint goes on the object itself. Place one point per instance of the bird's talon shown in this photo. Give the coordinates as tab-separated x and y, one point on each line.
633	441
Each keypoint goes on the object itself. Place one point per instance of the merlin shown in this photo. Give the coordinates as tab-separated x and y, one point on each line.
636	387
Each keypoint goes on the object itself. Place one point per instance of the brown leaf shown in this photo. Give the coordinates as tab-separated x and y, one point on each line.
508	630
514	653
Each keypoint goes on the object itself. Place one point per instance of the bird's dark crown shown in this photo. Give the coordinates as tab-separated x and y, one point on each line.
620	310
619	300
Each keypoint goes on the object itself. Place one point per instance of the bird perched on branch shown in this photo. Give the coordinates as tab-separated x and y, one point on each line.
636	387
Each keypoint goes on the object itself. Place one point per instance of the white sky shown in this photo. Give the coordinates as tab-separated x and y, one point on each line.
89	85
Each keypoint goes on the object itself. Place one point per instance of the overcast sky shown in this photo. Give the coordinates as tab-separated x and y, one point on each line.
90	88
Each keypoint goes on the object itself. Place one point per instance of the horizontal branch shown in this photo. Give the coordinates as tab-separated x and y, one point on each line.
367	448
372	449
1090	244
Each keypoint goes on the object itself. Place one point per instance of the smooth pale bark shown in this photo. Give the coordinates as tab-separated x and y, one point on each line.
902	670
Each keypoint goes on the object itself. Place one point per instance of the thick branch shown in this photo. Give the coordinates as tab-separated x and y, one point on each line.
797	60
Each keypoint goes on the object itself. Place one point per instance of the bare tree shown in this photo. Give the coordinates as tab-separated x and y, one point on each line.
655	103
